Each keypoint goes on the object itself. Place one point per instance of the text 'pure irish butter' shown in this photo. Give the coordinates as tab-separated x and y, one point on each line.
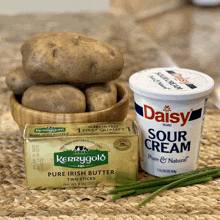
80	155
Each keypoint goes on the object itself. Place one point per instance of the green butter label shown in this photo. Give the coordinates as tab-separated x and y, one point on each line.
80	157
49	130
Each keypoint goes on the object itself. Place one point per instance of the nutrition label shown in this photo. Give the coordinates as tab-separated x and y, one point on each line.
37	161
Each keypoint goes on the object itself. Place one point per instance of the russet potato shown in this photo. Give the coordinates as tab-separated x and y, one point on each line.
101	96
60	57
57	98
17	81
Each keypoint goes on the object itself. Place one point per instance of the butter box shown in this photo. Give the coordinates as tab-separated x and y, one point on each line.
80	155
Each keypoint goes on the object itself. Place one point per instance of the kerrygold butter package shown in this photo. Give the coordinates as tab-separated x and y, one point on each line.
80	155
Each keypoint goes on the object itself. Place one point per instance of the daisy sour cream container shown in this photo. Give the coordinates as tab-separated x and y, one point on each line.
170	106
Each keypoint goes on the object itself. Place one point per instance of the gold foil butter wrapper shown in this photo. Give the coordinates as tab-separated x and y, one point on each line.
80	155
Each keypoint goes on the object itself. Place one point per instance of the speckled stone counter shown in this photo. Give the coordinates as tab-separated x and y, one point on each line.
190	35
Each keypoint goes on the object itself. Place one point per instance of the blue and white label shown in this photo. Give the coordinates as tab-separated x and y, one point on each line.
170	135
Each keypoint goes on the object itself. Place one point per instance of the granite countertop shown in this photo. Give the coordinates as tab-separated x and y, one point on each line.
190	35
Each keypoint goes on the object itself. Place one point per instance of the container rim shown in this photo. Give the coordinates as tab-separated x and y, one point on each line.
149	92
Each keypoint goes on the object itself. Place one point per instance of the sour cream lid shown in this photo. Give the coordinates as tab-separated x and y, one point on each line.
171	83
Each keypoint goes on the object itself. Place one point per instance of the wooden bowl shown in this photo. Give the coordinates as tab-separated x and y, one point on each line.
24	115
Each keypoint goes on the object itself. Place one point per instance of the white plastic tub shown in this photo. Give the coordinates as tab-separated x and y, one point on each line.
170	108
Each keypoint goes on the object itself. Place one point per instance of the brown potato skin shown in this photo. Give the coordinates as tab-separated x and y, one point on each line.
57	98
17	81
59	57
100	96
